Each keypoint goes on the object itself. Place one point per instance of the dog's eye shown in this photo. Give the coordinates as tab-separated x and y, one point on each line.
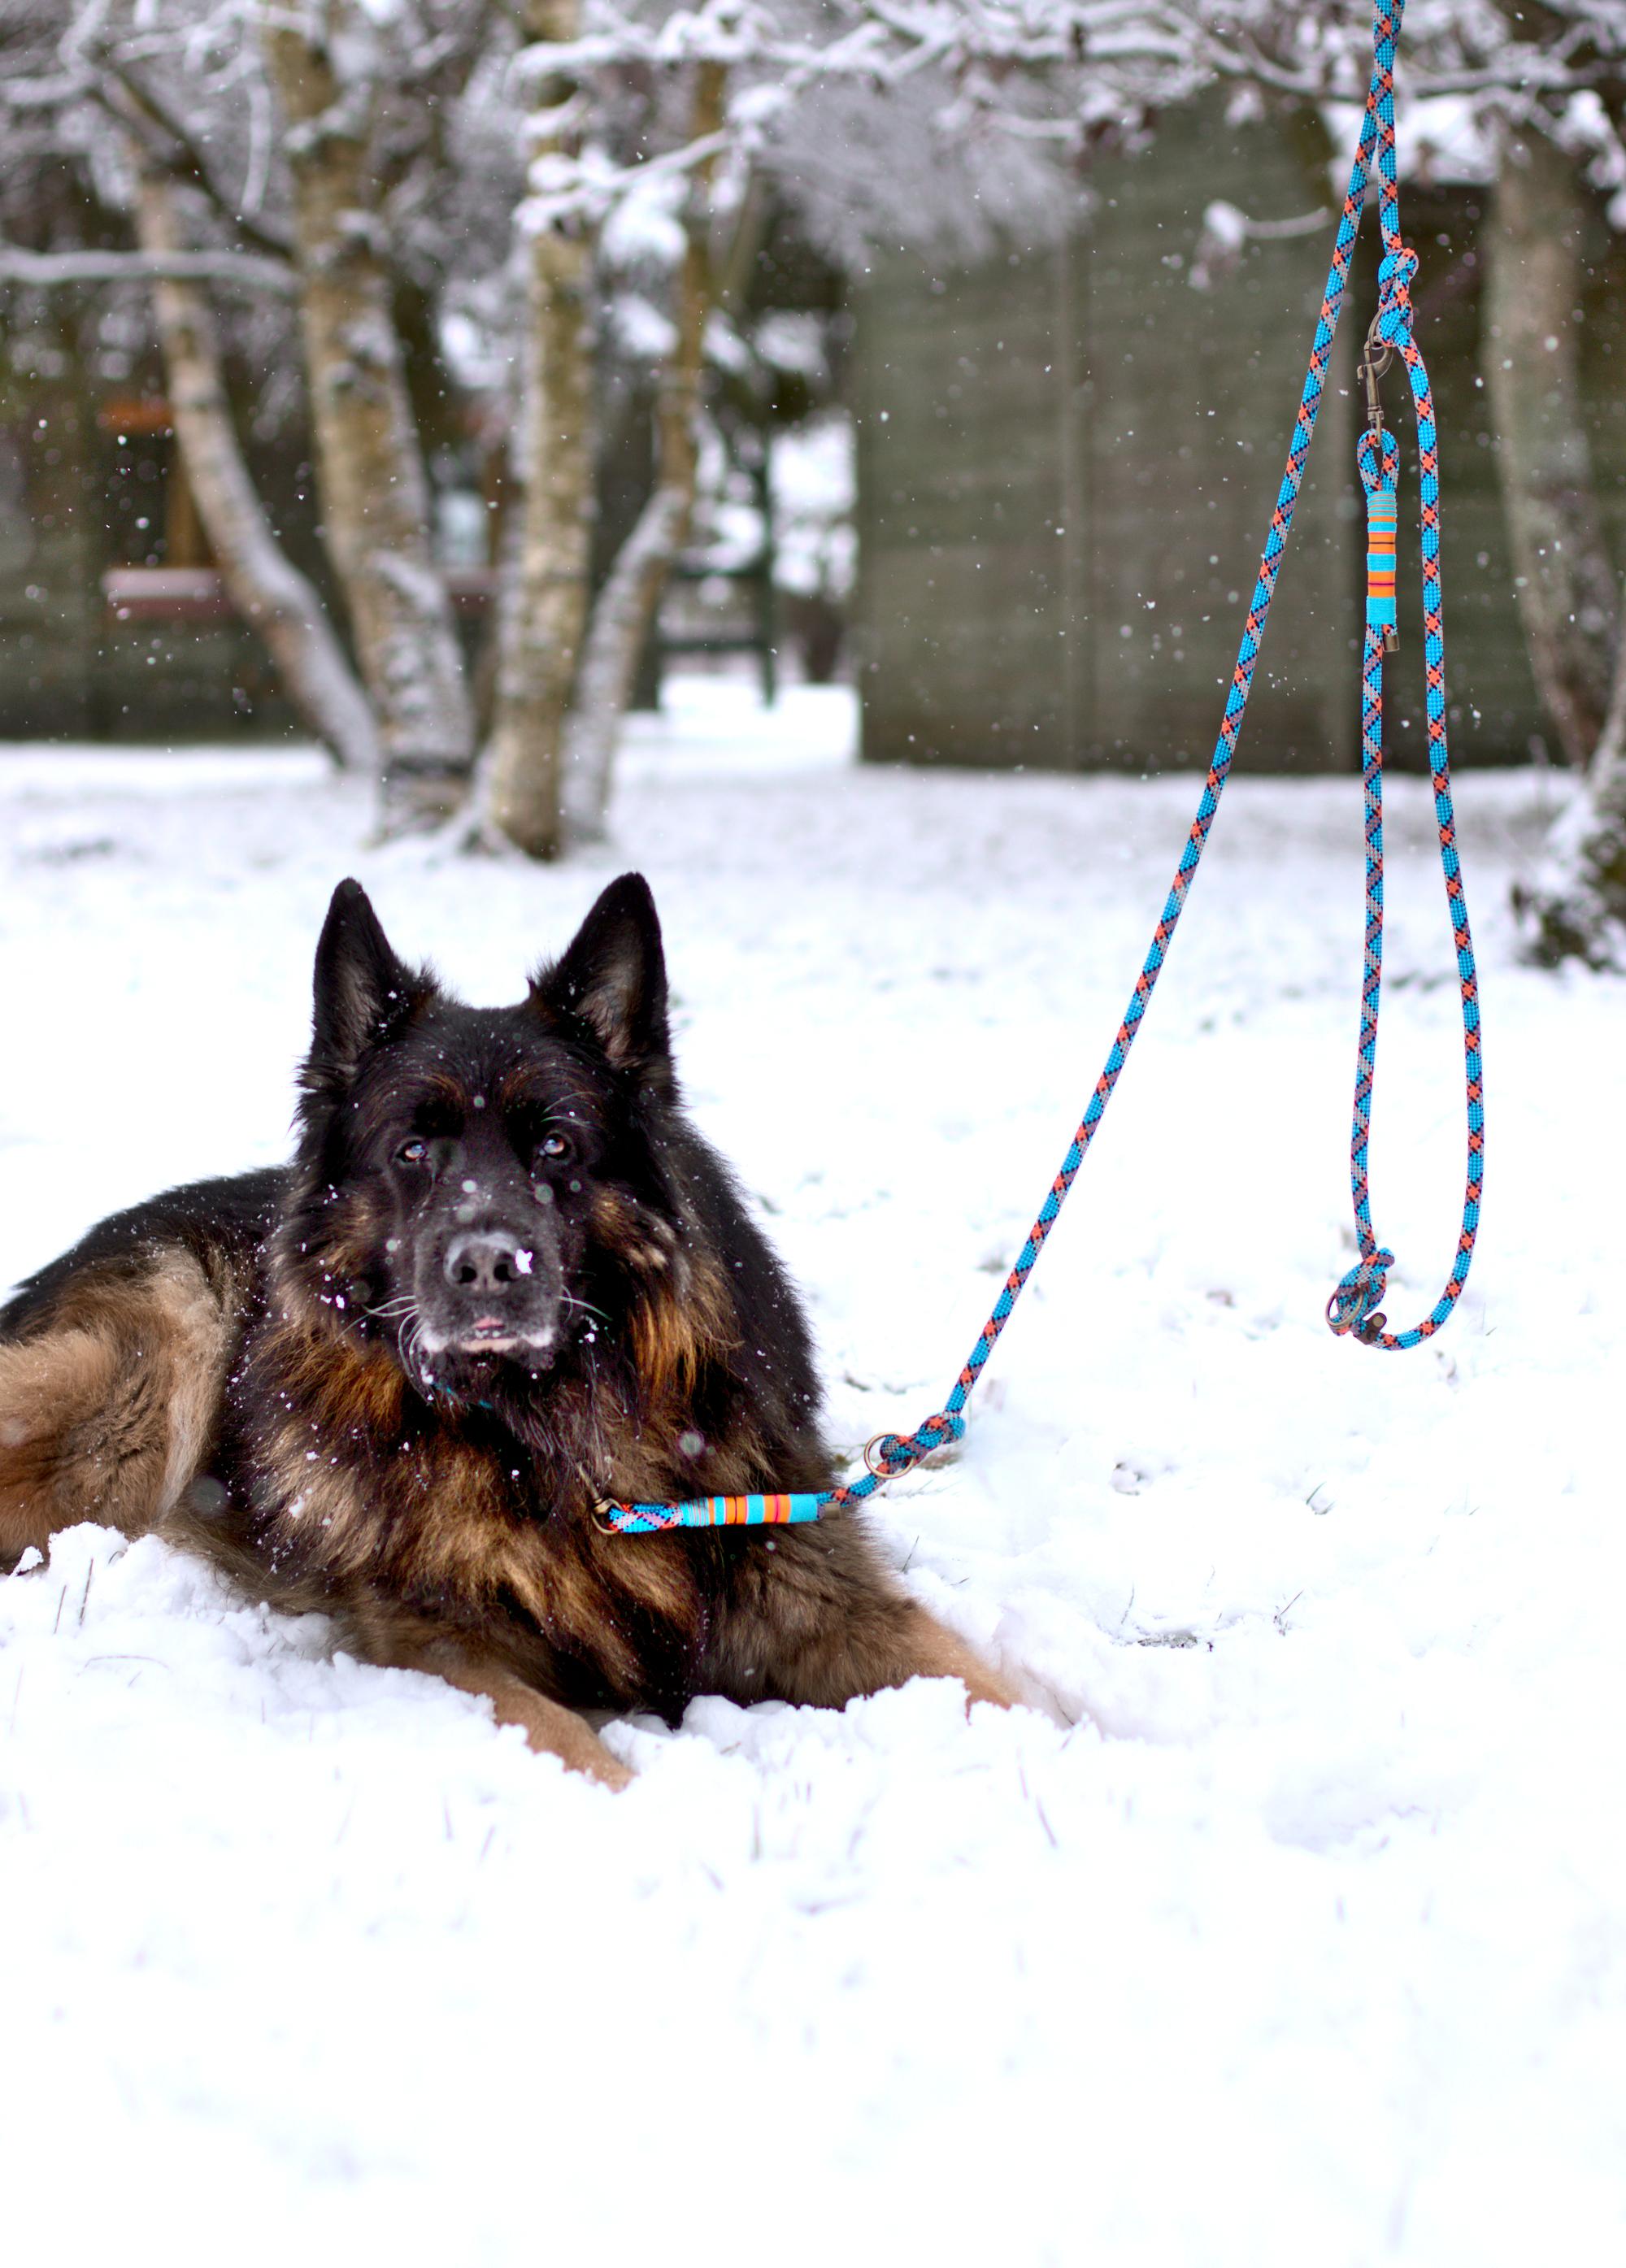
553	1148
413	1153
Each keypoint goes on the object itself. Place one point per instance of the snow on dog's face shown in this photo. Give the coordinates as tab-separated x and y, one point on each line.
476	1188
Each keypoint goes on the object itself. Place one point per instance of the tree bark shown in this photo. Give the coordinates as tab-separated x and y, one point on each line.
1567	595
1572	607
621	618
374	489
264	586
1577	907
627	605
545	592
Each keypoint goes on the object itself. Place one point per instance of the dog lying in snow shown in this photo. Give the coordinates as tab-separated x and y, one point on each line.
503	1278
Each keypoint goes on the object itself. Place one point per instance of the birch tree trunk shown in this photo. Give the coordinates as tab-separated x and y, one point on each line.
1572	607
545	593
1576	906
627	604
374	489
263	583
1567	596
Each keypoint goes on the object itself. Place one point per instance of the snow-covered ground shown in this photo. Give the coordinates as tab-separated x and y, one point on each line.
1288	1926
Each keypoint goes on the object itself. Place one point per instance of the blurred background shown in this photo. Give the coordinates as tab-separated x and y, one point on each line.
436	377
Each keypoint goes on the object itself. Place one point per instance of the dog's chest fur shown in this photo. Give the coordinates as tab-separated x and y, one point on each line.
344	1480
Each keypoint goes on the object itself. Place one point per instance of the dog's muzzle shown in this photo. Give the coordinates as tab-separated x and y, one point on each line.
499	1293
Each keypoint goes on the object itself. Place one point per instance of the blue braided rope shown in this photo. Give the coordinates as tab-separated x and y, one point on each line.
1353	1305
1356	1305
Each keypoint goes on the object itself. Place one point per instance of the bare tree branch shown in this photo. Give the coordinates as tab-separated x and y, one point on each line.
188	159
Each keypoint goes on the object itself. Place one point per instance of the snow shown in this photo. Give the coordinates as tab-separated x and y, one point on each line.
644	227
1289	1925
815	487
1440	137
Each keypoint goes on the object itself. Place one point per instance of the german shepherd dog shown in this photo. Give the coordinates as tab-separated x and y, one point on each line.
503	1278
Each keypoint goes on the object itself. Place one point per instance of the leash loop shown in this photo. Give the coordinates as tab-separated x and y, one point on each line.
888	1455
1354	1305
1353	1308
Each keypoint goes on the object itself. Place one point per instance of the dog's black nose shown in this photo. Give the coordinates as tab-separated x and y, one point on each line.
486	1261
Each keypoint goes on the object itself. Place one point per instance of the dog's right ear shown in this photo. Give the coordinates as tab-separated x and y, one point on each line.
364	991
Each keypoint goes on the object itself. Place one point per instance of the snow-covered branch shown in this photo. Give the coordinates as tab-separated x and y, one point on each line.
1143	50
51	271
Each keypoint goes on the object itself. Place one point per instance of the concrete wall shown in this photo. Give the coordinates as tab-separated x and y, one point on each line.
1068	458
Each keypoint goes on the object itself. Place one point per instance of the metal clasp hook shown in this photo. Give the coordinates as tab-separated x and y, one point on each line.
1376	356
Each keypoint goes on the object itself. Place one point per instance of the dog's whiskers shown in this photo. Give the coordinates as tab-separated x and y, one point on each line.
409	1343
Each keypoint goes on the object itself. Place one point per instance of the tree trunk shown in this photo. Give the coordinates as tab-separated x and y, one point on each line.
1577	907
544	591
627	605
1567	594
374	489
264	586
622	619
1574	619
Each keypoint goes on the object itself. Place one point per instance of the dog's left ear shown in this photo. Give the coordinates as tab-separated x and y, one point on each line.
613	976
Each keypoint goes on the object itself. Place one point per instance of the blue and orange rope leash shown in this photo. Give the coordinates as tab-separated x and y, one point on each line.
1354	1305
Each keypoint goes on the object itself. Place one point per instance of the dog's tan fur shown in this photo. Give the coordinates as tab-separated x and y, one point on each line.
109	1413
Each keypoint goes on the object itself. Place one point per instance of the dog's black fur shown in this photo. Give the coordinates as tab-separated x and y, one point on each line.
502	1276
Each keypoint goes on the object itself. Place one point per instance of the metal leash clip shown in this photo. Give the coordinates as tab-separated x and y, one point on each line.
1376	356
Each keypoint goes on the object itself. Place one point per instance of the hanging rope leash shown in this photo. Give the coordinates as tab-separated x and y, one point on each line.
1355	1306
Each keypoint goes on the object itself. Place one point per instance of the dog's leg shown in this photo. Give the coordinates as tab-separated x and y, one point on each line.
395	1642
550	1728
924	1648
865	1653
108	1404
